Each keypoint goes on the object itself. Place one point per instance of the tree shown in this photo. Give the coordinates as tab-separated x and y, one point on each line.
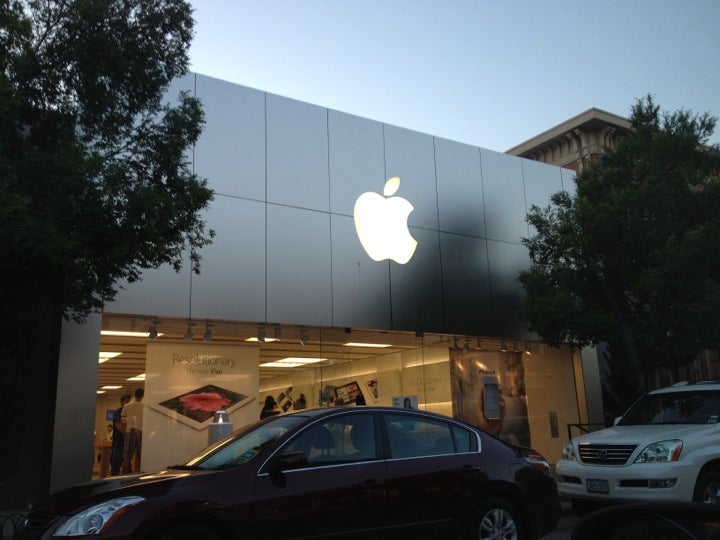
95	182
632	259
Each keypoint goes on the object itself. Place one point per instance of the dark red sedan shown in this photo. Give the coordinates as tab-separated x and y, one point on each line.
361	472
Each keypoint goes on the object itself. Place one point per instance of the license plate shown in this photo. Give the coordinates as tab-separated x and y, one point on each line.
597	486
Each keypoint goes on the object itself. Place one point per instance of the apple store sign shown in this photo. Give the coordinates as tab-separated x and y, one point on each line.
381	224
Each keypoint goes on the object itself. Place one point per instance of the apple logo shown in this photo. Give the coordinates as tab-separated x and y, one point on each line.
381	224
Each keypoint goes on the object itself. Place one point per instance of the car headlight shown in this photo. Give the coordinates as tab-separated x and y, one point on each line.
660	452
568	452
93	519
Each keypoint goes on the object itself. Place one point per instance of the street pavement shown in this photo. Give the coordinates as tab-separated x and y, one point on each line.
568	520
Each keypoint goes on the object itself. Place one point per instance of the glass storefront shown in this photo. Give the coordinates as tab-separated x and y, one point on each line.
522	392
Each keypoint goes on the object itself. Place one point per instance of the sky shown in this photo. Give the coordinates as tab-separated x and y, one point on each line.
489	73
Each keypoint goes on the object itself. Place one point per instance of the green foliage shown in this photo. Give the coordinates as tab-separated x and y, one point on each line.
95	180
632	259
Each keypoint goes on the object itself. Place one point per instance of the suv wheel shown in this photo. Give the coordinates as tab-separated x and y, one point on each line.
707	487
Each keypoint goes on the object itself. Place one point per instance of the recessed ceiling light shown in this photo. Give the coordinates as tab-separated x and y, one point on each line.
111	387
120	333
372	345
292	362
105	356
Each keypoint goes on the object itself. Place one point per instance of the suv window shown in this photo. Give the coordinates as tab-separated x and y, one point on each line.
687	407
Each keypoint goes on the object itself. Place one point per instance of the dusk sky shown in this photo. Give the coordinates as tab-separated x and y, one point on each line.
488	73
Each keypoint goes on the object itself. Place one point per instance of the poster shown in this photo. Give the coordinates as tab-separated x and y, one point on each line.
185	383
488	390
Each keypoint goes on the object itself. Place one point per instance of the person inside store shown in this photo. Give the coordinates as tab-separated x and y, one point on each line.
132	416
118	437
360	400
270	409
300	403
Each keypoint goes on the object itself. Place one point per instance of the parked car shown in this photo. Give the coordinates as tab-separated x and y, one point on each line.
665	448
334	472
676	521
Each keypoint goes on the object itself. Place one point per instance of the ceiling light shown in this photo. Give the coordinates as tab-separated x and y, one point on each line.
105	356
100	392
189	334
373	345
291	362
123	334
111	387
208	334
503	347
303	337
264	340
140	377
153	333
528	349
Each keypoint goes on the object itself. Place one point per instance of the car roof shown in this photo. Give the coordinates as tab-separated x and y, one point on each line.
329	411
685	386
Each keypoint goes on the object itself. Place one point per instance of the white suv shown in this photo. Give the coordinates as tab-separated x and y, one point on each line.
666	447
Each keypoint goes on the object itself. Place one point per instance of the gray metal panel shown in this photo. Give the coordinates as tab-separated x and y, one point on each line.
504	196
506	261
299	288
466	283
361	286
357	162
231	149
185	83
297	154
231	284
416	287
410	155
459	187
541	182
160	291
568	181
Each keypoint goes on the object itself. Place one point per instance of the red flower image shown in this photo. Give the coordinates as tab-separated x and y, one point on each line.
205	401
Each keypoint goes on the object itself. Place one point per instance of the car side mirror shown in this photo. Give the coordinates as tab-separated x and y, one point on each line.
286	462
617	419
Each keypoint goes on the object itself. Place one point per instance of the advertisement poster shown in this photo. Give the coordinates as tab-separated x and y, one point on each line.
185	384
405	402
489	392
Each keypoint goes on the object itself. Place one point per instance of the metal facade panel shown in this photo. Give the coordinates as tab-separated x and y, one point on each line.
361	286
299	288
357	162
541	182
297	154
231	284
568	180
504	196
231	150
466	283
410	155
459	188
416	287
506	261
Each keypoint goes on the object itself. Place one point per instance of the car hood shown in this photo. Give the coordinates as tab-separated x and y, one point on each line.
643	435
144	485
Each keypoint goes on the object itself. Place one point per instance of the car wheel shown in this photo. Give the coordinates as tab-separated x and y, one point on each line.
707	487
186	531
497	519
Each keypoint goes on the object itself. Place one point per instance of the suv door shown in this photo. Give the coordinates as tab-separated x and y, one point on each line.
337	491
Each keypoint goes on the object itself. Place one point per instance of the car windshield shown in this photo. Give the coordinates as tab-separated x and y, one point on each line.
244	445
695	407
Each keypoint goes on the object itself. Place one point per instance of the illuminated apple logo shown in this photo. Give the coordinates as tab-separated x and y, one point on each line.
381	224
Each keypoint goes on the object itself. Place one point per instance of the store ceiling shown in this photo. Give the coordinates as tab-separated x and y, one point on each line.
328	343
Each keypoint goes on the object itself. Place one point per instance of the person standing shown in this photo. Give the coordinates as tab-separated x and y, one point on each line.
270	409
118	437
132	416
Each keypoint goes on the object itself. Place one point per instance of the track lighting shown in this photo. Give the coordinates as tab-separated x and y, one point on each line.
189	334
503	347
303	337
152	331
208	333
261	335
